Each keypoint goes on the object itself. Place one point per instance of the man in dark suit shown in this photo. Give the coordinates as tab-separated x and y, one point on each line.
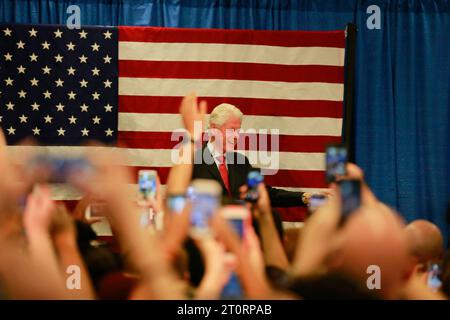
218	161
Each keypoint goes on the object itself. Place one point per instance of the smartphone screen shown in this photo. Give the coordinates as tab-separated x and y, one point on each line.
205	199
239	218
434	271
336	159
316	201
254	178
147	183
57	169
350	196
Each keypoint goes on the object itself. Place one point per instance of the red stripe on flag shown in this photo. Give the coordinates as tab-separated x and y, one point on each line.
287	143
296	178
248	37
292	214
249	106
231	71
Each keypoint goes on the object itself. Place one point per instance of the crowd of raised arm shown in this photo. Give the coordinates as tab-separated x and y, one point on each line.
43	255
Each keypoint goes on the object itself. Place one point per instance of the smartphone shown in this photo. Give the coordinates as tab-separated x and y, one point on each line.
350	196
239	218
254	178
147	183
316	201
176	203
59	169
205	198
434	271
336	160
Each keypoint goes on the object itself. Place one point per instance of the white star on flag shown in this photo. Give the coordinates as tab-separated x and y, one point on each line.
96	120
46	70
71	95
58	34
8	56
35	106
95	72
22	94
107	83
83	34
7	32
95	47
47	94
71	71
33	33
107	59
20	45
36	131
61	132
23	118
48	119
72	120
83	83
59	82
95	95
83	59
107	34
10	105
45	45
70	46
60	107
84	107
11	130
21	69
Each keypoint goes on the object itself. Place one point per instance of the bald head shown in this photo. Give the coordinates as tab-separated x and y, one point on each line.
373	236
424	241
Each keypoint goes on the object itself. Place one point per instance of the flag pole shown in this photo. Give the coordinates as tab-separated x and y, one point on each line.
349	84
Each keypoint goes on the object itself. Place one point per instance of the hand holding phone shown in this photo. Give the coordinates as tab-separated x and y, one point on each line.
239	218
254	178
59	169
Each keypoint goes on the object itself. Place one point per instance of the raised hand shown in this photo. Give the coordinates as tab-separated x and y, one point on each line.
193	115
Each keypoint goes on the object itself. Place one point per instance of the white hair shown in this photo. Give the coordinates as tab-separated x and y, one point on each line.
222	113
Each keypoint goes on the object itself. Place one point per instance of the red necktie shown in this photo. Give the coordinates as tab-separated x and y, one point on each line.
224	173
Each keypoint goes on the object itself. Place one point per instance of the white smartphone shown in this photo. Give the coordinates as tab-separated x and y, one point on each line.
205	197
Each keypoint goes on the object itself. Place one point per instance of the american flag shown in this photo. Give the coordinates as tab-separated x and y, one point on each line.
125	84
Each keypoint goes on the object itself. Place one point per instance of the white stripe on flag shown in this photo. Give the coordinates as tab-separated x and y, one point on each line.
231	88
199	52
160	122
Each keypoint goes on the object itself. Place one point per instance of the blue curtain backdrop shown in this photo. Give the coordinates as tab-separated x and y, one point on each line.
402	102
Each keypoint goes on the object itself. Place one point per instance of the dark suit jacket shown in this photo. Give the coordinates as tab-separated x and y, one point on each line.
238	169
